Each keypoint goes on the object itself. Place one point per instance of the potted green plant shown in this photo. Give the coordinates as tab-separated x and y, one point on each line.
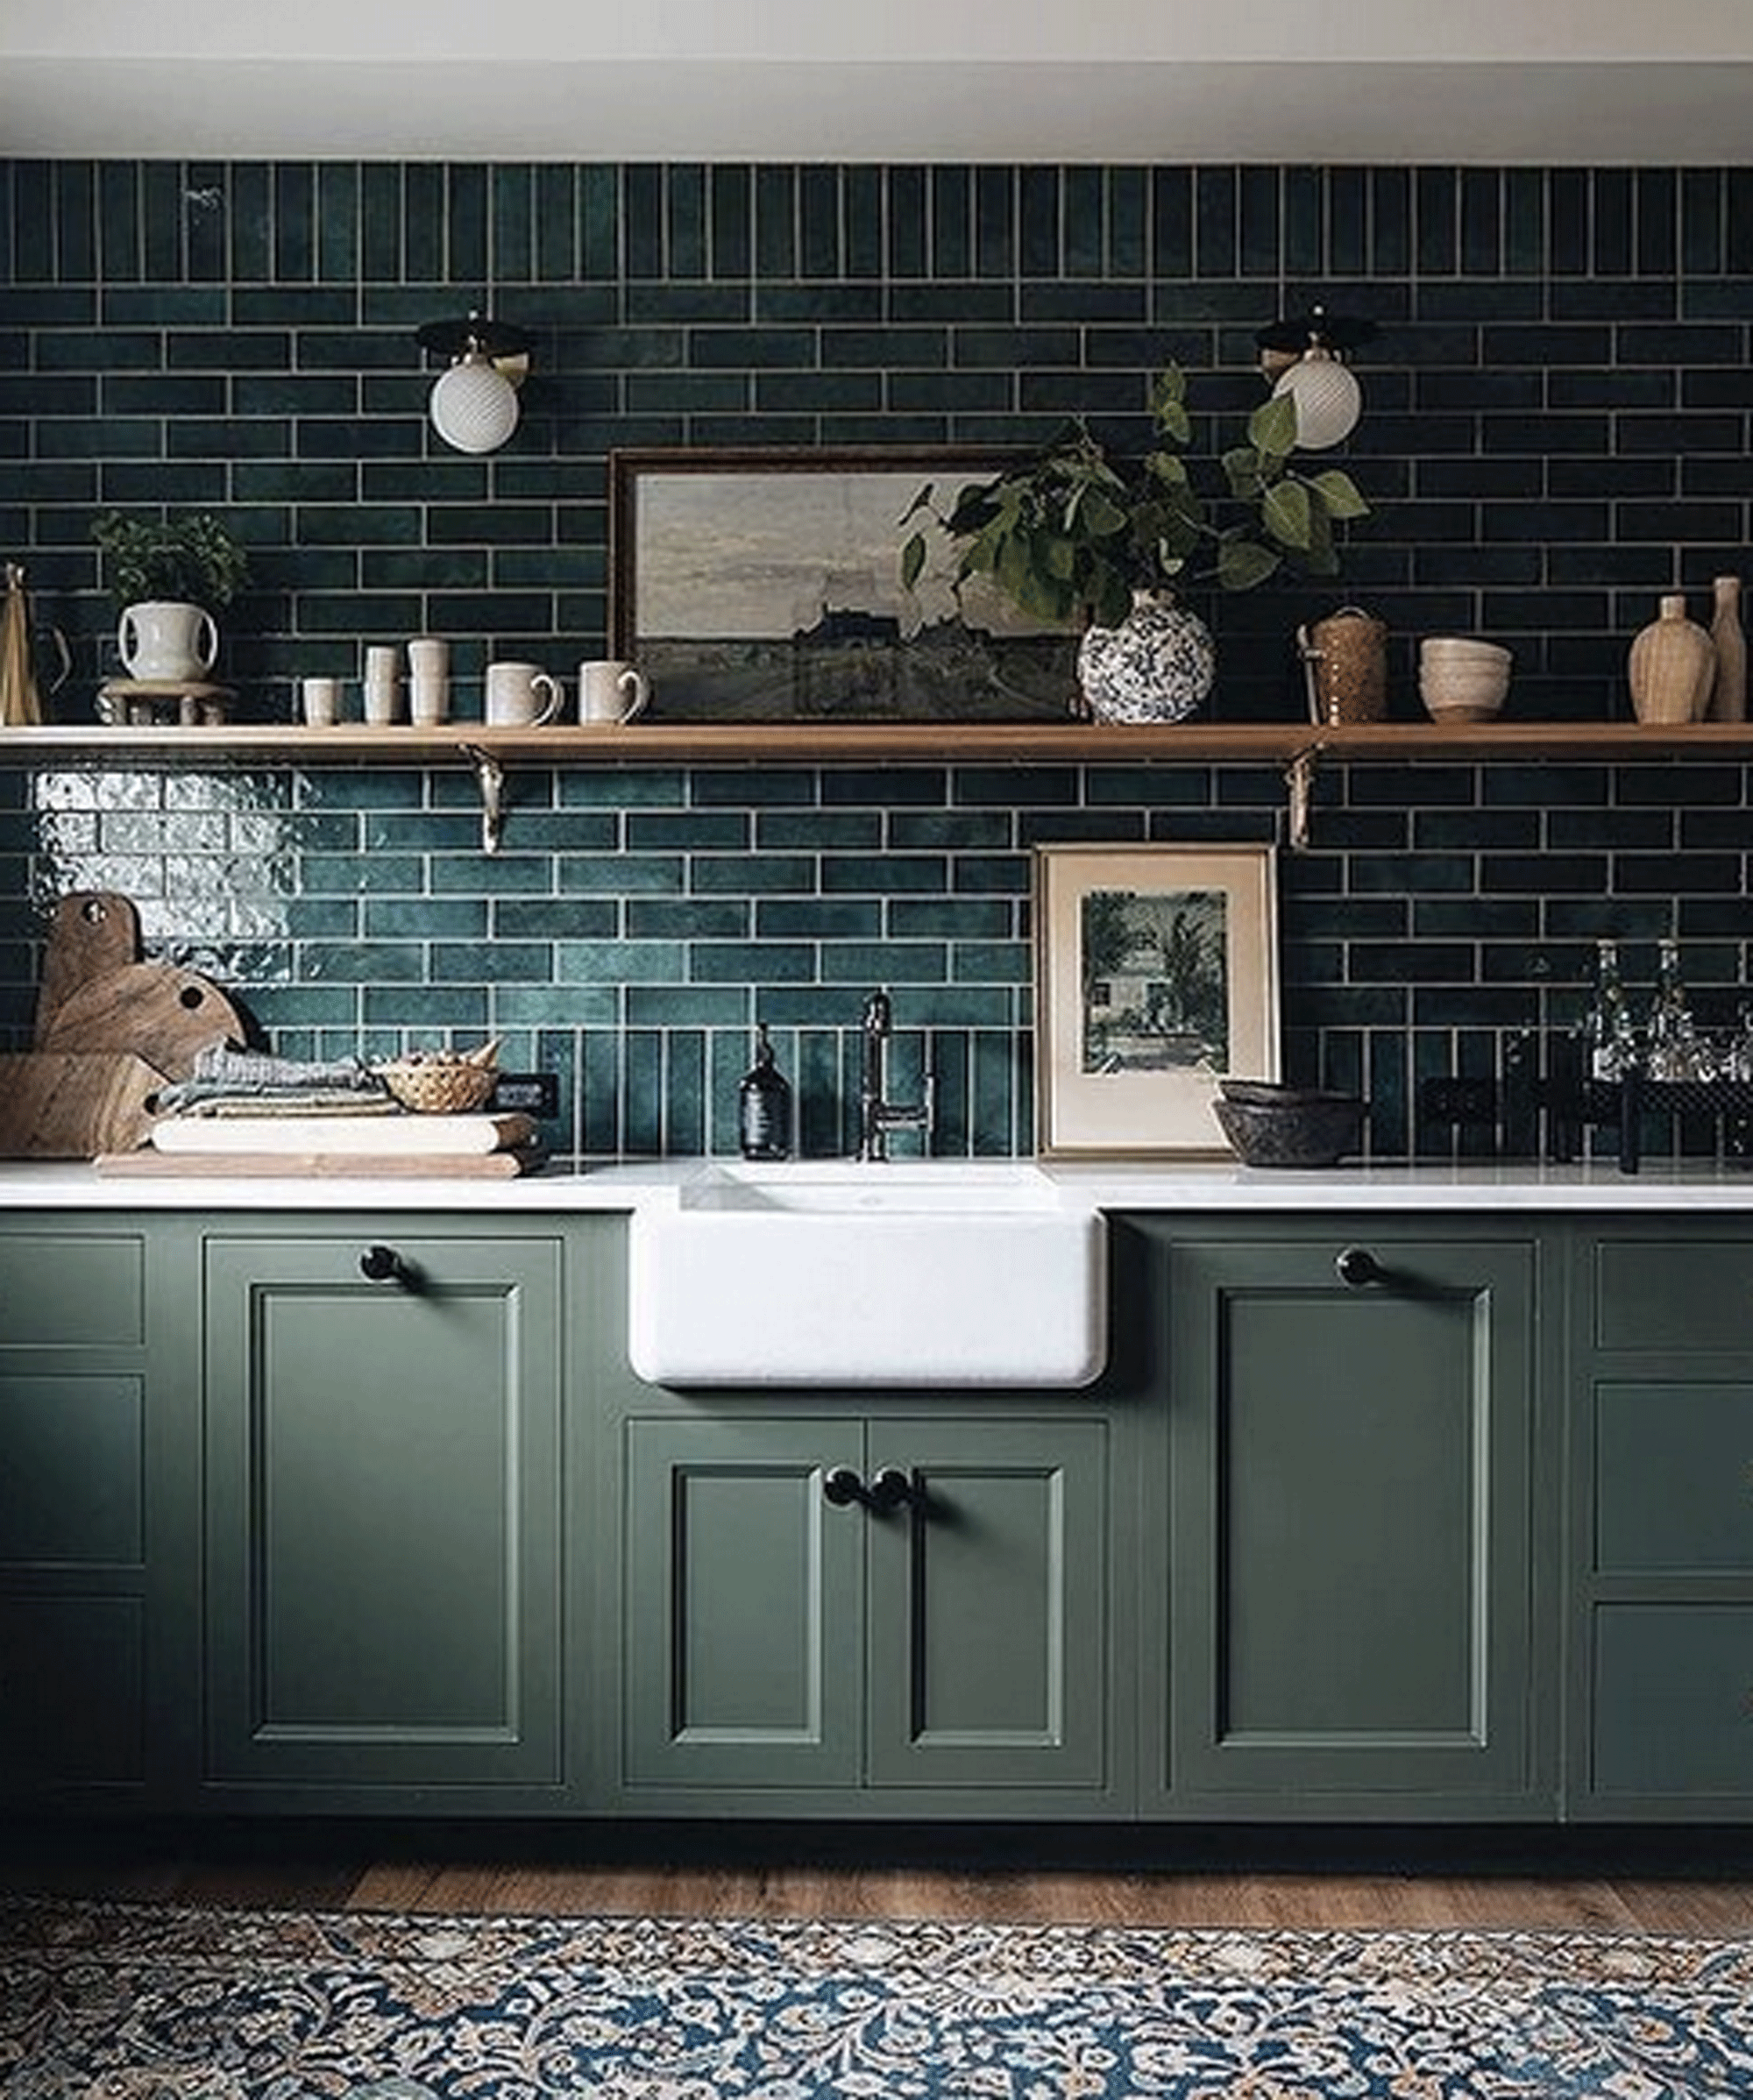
1073	533
170	577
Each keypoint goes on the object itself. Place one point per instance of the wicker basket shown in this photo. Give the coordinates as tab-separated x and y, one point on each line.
440	1083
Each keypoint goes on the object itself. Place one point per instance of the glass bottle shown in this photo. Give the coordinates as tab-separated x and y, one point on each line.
1739	1062
764	1105
1609	1038
1676	1050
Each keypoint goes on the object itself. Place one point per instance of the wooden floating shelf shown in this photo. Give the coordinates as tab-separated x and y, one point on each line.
868	743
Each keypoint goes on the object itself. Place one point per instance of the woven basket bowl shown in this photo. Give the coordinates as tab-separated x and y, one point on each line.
439	1087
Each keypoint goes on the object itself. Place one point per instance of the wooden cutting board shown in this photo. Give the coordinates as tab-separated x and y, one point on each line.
92	933
375	1166
162	1013
349	1137
60	1104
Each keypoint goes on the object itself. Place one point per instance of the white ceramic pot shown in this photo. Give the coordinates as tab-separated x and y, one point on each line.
162	642
1156	666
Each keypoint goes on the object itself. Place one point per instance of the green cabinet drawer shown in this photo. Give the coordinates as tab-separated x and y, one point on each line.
72	1290
1673	1293
1673	1488
72	1691
1673	1701
71	1470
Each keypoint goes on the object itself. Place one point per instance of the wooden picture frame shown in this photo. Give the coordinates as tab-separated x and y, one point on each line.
1156	975
753	585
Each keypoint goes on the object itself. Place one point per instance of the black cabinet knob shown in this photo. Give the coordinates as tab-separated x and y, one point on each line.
384	1265
1357	1266
891	1489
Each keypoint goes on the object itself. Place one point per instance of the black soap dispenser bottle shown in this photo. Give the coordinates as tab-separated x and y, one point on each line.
763	1104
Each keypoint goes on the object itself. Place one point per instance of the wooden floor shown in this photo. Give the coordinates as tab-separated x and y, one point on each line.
1688	1883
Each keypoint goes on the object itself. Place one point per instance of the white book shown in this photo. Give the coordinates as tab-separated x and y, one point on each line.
384	1136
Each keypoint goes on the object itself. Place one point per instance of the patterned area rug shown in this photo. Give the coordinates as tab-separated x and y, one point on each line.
103	2001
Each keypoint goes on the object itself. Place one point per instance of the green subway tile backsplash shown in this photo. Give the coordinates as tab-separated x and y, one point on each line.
1556	431
1428	913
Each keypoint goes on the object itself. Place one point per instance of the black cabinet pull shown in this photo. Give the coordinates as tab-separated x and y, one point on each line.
384	1265
842	1486
1357	1266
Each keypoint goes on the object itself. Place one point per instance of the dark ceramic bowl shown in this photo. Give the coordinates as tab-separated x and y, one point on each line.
1269	1093
1288	1126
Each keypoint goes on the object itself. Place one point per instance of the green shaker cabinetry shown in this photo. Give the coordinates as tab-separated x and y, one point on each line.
383	1573
327	1512
92	1382
1662	1618
855	1610
1354	1628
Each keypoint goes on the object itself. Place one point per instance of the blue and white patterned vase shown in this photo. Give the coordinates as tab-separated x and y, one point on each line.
1156	666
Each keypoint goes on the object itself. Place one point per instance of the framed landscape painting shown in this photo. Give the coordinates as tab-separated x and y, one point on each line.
1156	975
765	586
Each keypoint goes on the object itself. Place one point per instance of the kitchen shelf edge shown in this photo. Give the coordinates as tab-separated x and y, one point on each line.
887	743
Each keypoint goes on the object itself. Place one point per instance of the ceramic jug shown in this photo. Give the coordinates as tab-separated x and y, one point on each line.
1344	660
163	642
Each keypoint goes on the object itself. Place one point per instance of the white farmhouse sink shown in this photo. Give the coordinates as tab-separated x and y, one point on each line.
943	1273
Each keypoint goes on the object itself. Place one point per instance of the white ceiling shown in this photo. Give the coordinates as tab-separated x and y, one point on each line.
1554	82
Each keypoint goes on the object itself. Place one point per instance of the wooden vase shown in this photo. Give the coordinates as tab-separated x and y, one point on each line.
1728	690
1672	667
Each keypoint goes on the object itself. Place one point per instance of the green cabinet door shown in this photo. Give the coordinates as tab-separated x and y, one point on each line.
866	1606
743	1604
1351	1446
382	1443
988	1609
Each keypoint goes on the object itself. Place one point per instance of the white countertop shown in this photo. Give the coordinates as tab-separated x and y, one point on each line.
1201	1186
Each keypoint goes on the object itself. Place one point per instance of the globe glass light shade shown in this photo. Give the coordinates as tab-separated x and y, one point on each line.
473	406
1329	400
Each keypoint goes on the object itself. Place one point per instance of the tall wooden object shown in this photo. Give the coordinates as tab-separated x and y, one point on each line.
1672	667
1728	690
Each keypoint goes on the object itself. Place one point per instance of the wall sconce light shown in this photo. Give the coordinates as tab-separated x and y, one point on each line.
474	405
1303	358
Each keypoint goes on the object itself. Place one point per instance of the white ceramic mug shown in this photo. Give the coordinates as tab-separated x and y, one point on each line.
321	698
611	691
515	696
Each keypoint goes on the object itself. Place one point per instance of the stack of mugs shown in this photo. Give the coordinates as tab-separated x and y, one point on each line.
1462	680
